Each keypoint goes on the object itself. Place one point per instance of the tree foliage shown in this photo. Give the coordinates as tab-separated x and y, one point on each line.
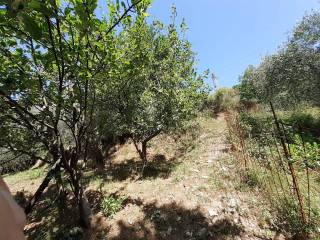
157	88
69	78
52	53
290	76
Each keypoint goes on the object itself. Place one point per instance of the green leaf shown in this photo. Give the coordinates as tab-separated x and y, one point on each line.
35	5
31	26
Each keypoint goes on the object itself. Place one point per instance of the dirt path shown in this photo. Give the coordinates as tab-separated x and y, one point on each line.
201	198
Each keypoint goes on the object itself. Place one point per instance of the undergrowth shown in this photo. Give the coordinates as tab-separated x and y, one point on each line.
111	205
260	136
288	218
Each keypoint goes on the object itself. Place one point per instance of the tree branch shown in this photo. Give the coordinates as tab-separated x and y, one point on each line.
122	16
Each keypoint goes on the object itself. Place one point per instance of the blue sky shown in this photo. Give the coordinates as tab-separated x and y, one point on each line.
228	35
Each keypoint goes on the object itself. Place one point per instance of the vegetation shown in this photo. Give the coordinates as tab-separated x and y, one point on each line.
222	100
111	205
274	130
78	88
291	76
157	88
68	80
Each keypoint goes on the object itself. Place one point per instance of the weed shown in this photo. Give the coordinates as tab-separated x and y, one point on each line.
215	182
288	218
249	180
266	218
179	171
96	180
35	173
111	205
253	178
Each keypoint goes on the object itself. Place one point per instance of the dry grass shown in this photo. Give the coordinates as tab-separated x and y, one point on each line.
28	180
188	192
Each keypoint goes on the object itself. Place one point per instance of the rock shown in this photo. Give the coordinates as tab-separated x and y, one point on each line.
224	169
213	213
169	231
200	194
202	232
279	236
130	222
188	233
232	203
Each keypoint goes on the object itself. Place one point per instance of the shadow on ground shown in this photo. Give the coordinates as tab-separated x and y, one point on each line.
52	216
158	167
159	222
174	222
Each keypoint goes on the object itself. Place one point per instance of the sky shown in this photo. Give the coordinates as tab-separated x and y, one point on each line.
229	35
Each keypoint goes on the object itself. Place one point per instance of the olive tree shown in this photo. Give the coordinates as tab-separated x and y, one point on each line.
291	75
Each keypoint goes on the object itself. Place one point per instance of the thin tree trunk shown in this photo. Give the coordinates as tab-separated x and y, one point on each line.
144	156
55	168
85	212
99	158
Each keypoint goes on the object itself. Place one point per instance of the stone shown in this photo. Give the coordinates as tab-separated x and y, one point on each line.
232	203
188	233
213	213
202	232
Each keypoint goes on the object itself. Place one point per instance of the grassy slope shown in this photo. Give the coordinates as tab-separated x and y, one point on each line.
191	191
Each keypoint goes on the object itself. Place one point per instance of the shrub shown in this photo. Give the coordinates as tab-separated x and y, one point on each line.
11	164
208	103
307	150
225	99
255	124
111	205
308	120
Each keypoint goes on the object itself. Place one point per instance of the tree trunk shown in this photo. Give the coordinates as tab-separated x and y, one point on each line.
85	212
142	153
144	156
55	168
99	158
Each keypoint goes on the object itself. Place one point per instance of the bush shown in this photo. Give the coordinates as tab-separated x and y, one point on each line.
307	150
11	164
111	205
308	121
255	124
224	99
208	103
